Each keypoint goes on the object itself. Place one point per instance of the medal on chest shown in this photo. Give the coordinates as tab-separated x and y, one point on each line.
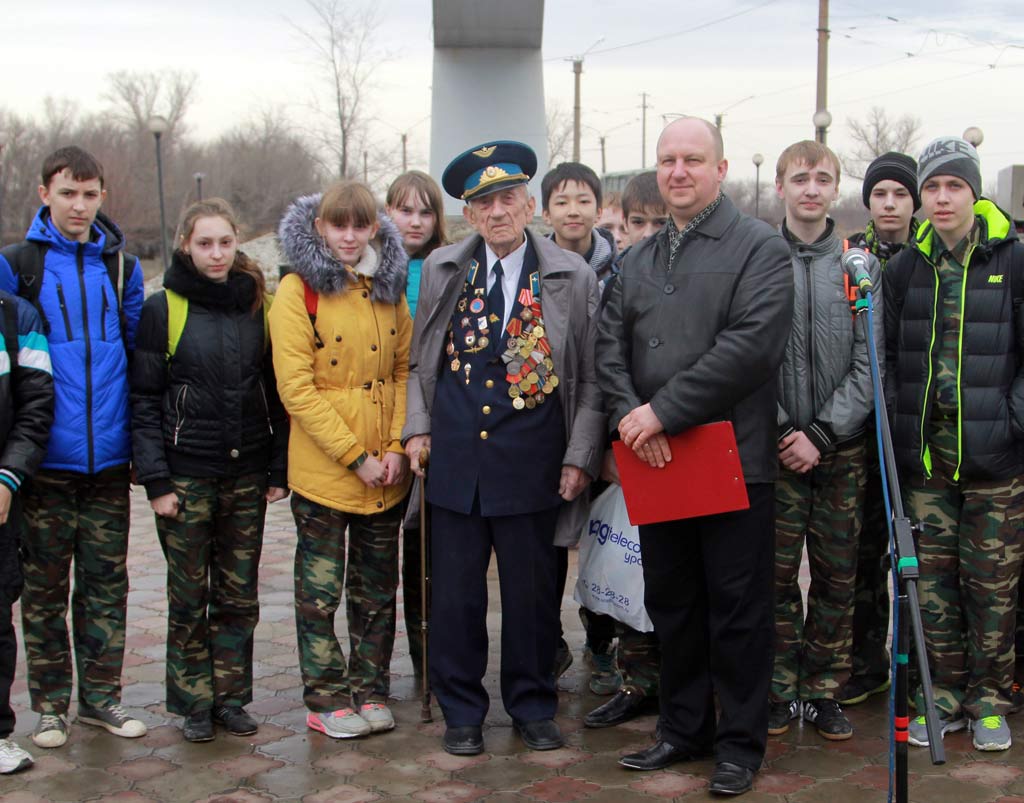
529	369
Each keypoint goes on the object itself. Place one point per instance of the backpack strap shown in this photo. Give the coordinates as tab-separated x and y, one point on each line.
10	331
268	300
177	313
26	260
312	302
850	290
115	263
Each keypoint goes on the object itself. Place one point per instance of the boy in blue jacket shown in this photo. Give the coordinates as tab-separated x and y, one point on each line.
89	296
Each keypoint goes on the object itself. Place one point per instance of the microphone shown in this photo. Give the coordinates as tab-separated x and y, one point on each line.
855	263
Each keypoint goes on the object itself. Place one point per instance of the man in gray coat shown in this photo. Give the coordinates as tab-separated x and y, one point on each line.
693	332
502	390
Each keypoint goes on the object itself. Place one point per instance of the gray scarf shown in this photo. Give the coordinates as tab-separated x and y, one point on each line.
676	237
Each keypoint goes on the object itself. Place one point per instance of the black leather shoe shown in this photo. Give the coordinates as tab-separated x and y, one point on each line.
627	704
465	740
235	719
198	727
656	757
543	734
731	779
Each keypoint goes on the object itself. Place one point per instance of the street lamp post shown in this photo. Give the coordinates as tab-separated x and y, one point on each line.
822	120
758	160
158	126
974	135
199	184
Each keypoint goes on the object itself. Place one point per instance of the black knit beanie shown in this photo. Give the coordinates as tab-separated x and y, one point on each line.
895	166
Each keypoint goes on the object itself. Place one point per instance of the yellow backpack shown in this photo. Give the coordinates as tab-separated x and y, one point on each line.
177	313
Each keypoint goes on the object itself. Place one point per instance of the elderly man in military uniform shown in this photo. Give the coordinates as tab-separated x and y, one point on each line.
503	392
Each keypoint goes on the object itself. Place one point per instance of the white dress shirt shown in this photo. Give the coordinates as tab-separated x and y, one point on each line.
512	268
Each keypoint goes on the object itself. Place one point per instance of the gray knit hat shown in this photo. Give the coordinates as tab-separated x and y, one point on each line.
895	166
950	156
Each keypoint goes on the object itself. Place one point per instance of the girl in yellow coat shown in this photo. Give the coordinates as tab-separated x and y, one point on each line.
341	331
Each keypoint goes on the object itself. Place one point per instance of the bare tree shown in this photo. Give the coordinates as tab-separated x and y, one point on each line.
135	96
261	166
876	133
342	44
559	125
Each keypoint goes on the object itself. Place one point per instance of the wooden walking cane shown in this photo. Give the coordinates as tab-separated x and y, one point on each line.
424	459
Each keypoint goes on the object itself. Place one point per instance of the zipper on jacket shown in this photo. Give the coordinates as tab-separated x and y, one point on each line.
64	311
80	260
179	412
266	407
959	367
811	385
926	461
103	314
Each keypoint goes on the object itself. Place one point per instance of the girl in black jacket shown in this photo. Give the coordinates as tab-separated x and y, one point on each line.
209	440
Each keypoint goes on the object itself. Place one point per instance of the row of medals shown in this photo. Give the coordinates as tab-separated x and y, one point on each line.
529	369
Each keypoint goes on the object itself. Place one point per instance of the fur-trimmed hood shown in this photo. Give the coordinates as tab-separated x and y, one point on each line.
309	257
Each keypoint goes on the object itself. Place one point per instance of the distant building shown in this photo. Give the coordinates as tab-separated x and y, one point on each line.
1010	193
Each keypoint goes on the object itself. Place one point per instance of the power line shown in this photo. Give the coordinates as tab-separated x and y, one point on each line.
662	37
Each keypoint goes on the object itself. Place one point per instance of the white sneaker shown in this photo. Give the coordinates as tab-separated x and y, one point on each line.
13	757
114	719
52	730
378	716
341	724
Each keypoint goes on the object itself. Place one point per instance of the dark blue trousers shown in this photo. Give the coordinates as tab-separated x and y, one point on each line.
708	590
461	548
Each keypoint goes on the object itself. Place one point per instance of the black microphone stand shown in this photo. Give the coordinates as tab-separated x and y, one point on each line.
904	558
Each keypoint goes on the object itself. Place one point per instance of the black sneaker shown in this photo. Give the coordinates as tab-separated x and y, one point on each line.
1016	698
859	688
828	718
780	712
235	719
198	727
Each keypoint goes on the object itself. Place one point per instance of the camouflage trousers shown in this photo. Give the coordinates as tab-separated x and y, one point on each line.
81	518
213	551
637	654
371	588
870	656
970	552
1018	672
823	507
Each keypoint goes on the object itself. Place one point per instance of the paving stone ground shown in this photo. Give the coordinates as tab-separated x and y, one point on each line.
287	762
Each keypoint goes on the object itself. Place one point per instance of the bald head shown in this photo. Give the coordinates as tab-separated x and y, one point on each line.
690	167
692	124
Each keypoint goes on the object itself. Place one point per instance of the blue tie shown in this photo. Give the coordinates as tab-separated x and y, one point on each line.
496	305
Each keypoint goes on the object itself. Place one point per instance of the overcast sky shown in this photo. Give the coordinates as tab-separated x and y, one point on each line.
950	66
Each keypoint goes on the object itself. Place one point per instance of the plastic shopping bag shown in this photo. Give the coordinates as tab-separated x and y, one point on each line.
611	577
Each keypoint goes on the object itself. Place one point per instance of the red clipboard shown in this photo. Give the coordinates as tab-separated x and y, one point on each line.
704	477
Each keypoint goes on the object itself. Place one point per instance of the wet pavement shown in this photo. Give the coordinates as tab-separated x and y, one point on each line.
287	762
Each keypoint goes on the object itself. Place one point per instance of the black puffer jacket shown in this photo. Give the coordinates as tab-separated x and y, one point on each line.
213	409
991	377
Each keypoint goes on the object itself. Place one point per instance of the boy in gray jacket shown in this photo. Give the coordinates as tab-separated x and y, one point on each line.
825	396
